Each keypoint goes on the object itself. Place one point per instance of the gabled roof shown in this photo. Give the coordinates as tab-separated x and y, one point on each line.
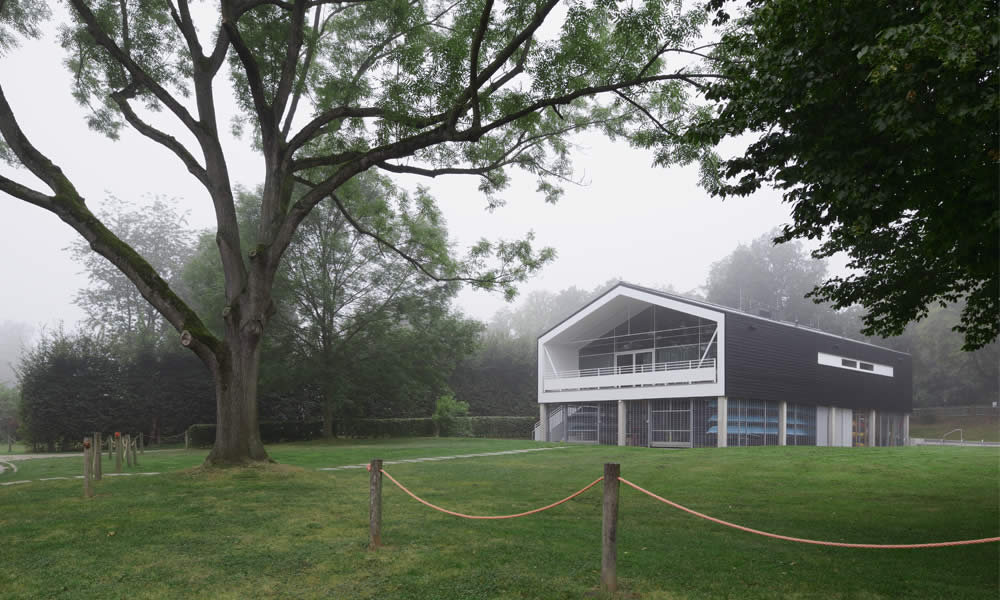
709	305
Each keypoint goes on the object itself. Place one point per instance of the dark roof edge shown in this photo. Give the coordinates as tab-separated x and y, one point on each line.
718	307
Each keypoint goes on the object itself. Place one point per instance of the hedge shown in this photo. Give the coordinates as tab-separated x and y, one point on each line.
202	435
271	432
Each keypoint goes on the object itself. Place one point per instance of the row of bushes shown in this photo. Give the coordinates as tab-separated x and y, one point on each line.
272	432
202	435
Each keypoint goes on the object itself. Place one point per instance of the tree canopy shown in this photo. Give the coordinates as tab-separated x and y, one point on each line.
878	120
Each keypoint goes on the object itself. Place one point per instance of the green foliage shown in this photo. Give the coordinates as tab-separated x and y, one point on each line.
376	428
202	435
447	409
878	122
10	401
73	385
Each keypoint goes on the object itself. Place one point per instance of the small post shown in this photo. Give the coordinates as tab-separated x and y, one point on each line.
111	446
186	440
88	466
10	443
375	504
142	444
609	529
135	455
118	452
97	455
128	450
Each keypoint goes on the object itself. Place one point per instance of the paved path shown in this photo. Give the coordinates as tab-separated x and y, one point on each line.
430	458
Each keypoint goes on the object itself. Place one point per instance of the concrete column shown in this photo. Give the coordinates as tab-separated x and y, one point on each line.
782	423
831	428
543	416
621	422
906	429
870	437
723	417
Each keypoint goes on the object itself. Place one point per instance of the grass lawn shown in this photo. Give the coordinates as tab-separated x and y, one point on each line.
973	428
289	531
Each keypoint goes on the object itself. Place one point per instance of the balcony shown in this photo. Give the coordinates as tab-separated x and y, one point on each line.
681	372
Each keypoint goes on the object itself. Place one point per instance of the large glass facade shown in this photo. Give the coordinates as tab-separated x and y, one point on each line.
800	425
859	428
752	423
889	429
653	336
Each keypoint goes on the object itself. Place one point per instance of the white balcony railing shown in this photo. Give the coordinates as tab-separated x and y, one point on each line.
665	373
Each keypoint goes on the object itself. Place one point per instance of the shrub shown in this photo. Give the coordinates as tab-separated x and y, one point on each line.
446	411
202	435
365	428
500	427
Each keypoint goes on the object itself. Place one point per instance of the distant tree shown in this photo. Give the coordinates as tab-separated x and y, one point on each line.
944	374
344	304
764	277
14	337
501	377
878	120
10	400
115	308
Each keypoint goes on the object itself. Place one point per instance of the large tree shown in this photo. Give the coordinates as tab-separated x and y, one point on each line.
329	89
878	120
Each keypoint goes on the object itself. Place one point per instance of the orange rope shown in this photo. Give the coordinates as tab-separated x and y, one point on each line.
464	516
803	540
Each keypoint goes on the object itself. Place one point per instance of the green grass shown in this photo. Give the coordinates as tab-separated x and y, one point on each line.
973	428
287	532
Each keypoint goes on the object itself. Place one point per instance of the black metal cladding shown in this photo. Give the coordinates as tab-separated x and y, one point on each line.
774	361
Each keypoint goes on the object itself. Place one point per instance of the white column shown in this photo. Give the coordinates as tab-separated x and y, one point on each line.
723	418
782	423
906	429
870	438
621	422
543	416
831	428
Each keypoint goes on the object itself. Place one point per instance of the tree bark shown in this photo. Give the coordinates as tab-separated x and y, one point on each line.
237	432
327	418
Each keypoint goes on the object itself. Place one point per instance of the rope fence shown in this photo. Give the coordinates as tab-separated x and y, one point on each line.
612	480
805	540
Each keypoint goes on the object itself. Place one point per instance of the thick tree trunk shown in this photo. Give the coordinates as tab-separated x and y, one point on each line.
327	418
237	433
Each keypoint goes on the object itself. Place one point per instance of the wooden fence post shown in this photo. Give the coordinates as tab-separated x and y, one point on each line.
97	455
609	529
375	504
127	439
186	441
118	452
142	444
135	455
88	466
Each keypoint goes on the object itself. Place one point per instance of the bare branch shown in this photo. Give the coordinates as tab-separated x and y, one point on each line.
291	63
168	141
310	53
250	67
477	42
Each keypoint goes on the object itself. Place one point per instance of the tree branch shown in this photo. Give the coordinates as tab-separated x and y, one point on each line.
137	73
168	141
288	68
68	205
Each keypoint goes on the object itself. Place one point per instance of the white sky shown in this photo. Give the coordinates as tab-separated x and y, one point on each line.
647	225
